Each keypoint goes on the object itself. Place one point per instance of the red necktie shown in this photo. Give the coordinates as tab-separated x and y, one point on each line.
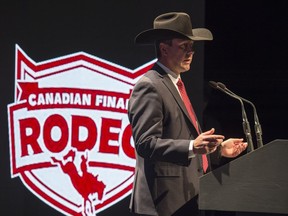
192	115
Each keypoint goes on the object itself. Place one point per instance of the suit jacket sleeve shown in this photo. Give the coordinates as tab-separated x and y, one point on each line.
160	130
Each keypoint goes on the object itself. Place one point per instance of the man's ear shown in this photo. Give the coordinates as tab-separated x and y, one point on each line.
163	48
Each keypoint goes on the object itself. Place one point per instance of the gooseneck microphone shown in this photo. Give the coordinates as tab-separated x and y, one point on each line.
257	125
245	122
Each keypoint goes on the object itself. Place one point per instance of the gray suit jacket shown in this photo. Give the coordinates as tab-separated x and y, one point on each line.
165	178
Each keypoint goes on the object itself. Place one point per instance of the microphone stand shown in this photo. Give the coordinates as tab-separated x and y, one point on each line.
257	126
245	123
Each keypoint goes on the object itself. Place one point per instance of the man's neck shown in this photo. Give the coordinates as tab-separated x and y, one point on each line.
167	70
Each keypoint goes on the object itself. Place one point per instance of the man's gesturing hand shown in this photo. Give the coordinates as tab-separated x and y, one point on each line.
233	147
207	142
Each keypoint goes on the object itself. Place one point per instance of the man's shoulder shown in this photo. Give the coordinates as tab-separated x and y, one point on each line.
152	73
150	76
156	72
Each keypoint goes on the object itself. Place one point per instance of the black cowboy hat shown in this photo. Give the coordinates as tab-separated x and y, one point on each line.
173	24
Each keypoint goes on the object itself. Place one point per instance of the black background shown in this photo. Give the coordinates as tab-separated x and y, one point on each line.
248	54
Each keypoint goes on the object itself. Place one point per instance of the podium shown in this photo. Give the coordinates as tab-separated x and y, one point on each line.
256	182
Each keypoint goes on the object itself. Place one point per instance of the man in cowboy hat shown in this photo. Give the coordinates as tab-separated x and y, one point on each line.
171	149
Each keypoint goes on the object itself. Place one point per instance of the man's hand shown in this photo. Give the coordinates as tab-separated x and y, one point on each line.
207	142
233	147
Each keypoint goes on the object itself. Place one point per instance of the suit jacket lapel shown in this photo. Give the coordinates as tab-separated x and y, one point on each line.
171	87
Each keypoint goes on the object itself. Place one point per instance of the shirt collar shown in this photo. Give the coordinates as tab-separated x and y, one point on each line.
174	77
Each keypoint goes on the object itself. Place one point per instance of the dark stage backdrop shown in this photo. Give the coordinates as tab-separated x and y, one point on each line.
87	46
248	55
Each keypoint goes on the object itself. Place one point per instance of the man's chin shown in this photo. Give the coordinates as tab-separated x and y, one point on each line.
186	68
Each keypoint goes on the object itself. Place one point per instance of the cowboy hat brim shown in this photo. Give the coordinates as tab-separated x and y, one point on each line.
151	35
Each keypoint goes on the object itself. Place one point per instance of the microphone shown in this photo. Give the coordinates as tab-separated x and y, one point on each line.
257	125
245	123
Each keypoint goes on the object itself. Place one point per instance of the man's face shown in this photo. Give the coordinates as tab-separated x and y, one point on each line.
178	55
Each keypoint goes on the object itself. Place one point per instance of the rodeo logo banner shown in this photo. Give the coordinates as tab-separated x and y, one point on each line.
70	139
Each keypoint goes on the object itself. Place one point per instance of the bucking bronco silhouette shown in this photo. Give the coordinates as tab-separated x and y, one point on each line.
86	184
